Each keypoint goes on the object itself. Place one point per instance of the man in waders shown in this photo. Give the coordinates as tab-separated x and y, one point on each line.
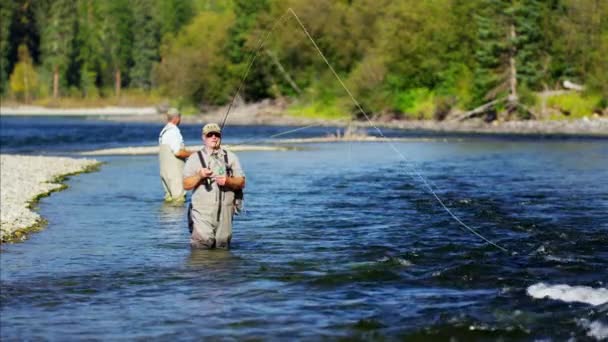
213	174
171	157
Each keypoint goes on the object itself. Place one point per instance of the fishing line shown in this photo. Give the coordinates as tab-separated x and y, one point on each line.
292	130
463	225
254	55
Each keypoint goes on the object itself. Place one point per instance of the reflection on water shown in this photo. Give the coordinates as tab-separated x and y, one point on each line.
171	213
215	259
332	246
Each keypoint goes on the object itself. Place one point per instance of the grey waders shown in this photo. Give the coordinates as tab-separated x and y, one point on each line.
211	211
171	174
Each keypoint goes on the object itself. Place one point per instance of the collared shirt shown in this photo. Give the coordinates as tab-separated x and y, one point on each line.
171	135
216	162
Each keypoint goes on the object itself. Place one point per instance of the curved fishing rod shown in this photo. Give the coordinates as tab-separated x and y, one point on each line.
463	225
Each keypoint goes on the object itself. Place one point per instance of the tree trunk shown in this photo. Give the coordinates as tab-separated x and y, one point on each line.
56	82
513	98
117	82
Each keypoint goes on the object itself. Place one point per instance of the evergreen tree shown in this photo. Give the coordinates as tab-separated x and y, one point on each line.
57	23
530	44
491	50
117	39
238	52
90	46
146	40
173	15
6	16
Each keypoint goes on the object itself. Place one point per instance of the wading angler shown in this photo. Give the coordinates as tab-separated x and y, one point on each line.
215	177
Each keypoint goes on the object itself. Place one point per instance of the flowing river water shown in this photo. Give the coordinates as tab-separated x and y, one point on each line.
338	241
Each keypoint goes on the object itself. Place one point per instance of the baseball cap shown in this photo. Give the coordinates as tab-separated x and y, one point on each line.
173	112
211	127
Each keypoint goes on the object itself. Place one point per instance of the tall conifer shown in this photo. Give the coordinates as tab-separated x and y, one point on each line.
146	40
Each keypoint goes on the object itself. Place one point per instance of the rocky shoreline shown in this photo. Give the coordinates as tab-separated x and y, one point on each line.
24	180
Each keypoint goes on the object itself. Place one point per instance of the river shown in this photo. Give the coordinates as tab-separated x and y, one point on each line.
338	240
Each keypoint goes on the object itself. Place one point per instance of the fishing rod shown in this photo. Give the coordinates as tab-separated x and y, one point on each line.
462	224
254	55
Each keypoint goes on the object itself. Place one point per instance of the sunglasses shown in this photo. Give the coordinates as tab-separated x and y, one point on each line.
211	134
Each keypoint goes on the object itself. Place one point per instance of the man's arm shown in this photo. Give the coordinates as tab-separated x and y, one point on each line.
183	154
192	181
234	183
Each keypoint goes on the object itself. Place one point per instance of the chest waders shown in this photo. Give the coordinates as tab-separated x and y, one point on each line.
171	169
208	188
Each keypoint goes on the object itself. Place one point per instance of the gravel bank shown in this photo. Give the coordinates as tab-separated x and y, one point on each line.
151	150
23	180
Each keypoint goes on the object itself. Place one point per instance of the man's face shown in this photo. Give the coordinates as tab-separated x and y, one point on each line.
212	140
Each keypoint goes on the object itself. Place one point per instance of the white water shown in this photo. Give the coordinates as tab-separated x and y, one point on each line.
595	329
567	293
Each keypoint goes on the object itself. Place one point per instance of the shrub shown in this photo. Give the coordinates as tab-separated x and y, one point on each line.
573	104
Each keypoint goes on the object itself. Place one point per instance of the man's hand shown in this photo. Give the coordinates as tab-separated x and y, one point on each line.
220	180
191	182
205	173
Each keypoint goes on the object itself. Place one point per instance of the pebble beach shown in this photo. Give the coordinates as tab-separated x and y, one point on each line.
23	180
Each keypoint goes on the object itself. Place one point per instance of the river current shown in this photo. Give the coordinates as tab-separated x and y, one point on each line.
339	240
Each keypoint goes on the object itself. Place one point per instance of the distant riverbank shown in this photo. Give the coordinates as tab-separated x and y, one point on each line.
268	113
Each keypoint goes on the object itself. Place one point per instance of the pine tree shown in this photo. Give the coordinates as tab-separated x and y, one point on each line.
117	39
508	52
173	15
57	23
146	40
246	13
89	45
491	51
530	43
6	17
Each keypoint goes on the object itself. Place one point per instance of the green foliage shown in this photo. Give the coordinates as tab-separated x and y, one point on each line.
527	96
240	45
491	50
146	39
91	50
527	16
24	79
57	24
117	40
417	103
193	66
421	58
333	110
574	105
6	17
172	15
596	78
457	82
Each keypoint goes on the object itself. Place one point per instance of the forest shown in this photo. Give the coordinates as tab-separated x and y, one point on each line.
541	59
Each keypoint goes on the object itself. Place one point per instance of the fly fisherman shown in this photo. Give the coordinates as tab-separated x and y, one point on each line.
171	158
214	175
